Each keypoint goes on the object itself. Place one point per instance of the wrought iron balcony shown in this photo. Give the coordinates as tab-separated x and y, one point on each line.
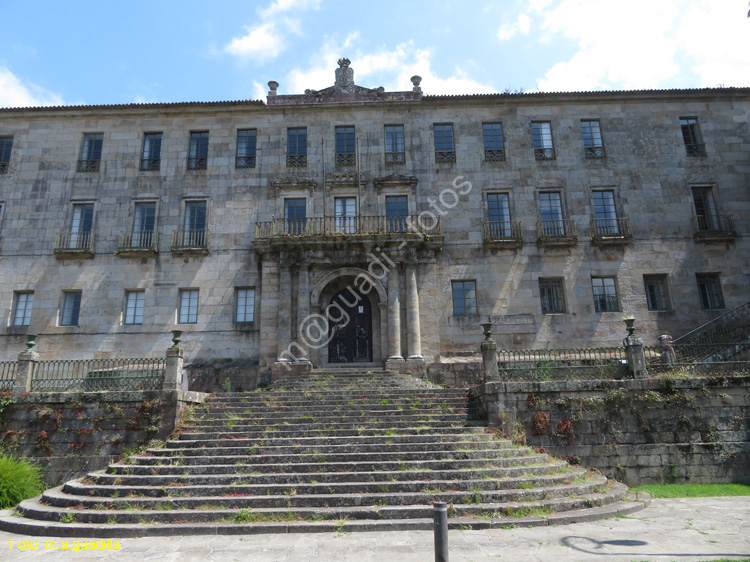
351	229
296	160
245	162
395	158
346	160
3	167
74	245
150	164
611	231
713	228
138	244
503	234
88	166
191	242
494	155
695	149
544	153
197	163
595	152
445	156
556	232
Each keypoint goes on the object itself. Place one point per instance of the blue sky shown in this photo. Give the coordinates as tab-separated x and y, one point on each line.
85	52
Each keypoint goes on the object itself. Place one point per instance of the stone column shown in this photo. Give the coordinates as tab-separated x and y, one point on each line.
394	316
303	311
269	311
173	365
25	369
489	355
414	335
668	356
285	313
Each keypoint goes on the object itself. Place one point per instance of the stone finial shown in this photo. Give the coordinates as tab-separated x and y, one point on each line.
344	77
416	81
273	85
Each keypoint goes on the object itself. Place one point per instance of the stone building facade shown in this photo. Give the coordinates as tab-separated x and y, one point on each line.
355	225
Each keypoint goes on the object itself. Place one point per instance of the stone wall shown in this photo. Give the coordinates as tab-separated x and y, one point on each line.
69	433
637	431
222	376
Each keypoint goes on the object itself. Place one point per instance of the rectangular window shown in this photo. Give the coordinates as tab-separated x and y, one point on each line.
134	307
394	144
71	308
91	152
498	213
494	148
6	145
657	292
245	311
144	224
464	298
188	313
709	289
151	155
552	296
23	303
605	214
550	208
345	149
593	145
81	226
605	294
246	145
345	211
541	134
691	135
296	147
445	150
198	155
705	208
295	215
396	212
194	225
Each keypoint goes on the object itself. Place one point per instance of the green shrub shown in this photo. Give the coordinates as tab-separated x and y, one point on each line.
19	480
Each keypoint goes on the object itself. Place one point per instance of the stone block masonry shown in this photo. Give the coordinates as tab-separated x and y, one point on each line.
644	431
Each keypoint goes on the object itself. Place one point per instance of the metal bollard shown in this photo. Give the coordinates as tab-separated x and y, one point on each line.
440	514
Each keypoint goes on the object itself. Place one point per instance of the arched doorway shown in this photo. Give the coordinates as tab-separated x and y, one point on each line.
350	325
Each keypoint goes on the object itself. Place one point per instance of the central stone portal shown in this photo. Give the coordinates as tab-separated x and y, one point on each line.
350	324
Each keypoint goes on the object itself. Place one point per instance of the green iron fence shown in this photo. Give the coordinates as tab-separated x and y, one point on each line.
562	364
98	374
7	375
699	358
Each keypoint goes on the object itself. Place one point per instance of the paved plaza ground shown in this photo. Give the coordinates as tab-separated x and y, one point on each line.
685	530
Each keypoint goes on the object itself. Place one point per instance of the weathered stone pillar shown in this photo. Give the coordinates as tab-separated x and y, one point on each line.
394	316
634	353
25	369
489	355
668	356
285	314
173	364
269	311
303	311
414	335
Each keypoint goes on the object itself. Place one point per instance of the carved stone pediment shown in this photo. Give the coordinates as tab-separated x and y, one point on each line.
344	180
293	182
395	180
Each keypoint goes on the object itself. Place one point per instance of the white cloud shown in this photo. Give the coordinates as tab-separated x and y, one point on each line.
14	93
266	40
641	44
259	91
522	24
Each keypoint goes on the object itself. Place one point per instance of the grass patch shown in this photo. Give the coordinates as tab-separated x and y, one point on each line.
19	480
693	490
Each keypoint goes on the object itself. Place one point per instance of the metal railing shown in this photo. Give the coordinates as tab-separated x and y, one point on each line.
7	375
185	239
561	364
595	152
245	162
353	225
346	159
138	240
197	163
695	149
503	231
150	164
88	166
296	160
713	224
494	155
611	229
699	358
544	153
728	328
98	374
556	229
443	156
66	241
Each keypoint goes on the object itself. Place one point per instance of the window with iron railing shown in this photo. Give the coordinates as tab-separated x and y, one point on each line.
295	215
396	213
709	289
91	152
6	146
605	294
691	136
296	147
657	292
494	147
593	144
198	155
246	147
144	225
550	209
151	155
194	231
541	135
445	150
345	146
552	295
394	144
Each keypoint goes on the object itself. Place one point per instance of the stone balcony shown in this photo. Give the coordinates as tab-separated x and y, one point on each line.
335	232
606	232
191	242
138	244
713	228
556	233
74	245
503	234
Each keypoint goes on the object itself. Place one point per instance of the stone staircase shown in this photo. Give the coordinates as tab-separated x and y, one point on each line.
339	450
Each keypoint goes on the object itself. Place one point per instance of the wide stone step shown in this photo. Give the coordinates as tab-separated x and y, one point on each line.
350	419
317	407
